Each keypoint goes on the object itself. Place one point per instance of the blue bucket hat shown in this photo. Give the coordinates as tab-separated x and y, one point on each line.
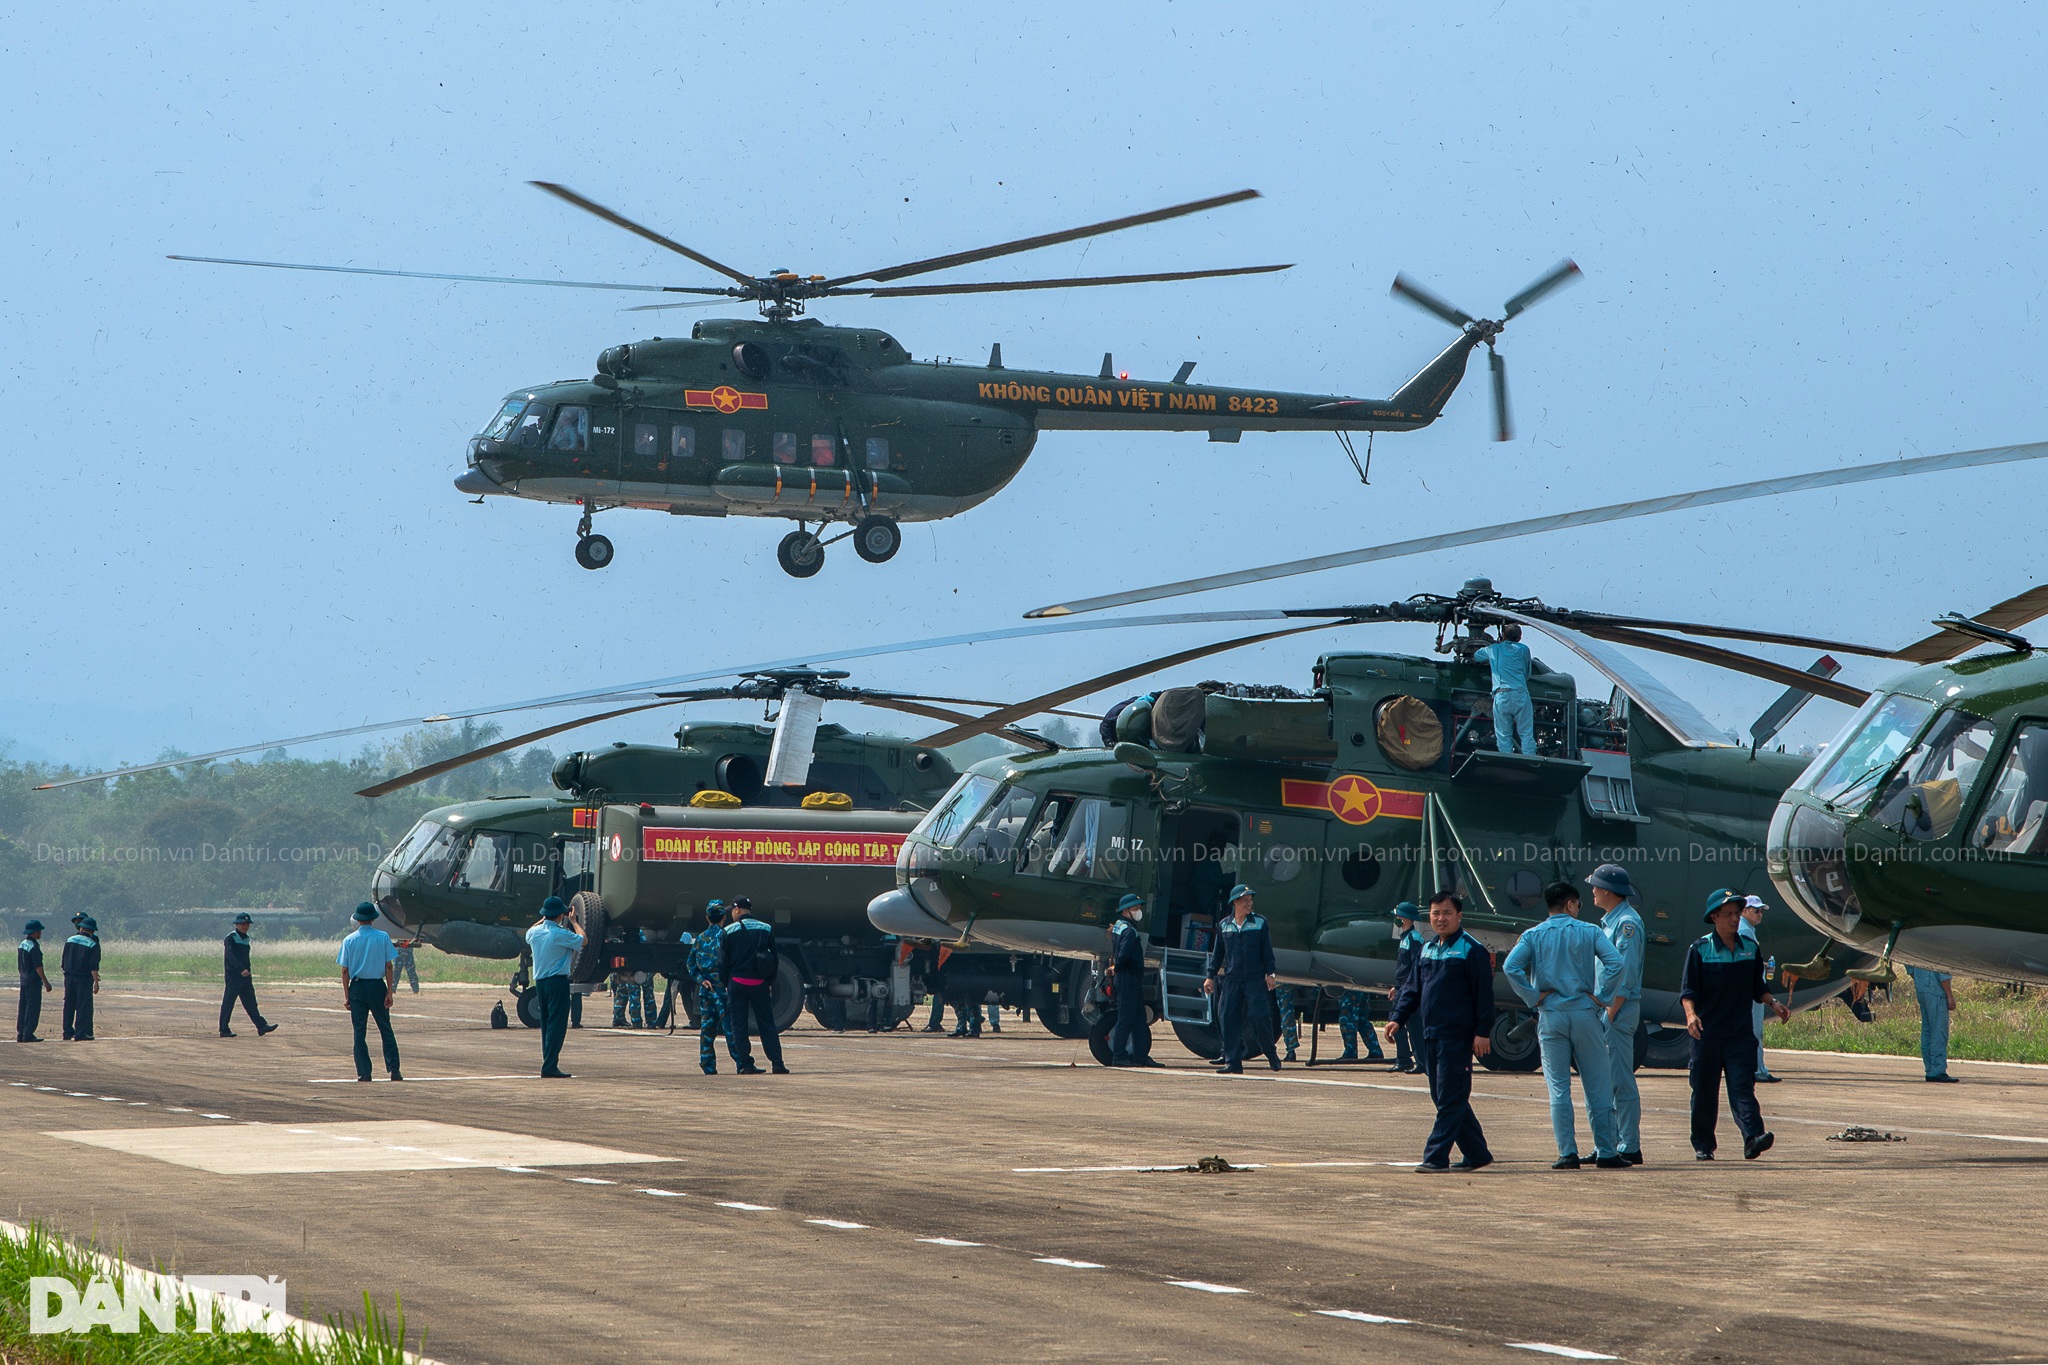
34	926
89	924
1720	898
1239	890
1612	877
365	913
1408	911
552	908
1130	900
244	919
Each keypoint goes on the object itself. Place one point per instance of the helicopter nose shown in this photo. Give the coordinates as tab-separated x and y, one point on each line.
476	483
903	912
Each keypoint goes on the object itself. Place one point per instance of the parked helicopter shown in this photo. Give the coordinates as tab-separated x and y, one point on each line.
1921	831
469	878
820	425
1380	784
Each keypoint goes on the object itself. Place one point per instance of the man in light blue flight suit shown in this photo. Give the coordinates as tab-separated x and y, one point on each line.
1514	715
1936	998
1553	967
1622	989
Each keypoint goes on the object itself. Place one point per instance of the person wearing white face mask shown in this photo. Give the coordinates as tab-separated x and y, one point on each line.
1130	1040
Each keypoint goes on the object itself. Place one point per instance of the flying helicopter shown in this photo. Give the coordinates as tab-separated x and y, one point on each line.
787	418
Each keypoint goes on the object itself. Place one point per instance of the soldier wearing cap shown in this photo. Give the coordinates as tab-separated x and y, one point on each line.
1723	977
1241	970
1554	967
712	1020
1408	1041
1622	989
367	961
748	963
28	960
553	940
237	984
1130	1041
81	964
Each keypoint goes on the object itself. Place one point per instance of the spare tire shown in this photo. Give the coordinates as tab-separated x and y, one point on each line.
590	962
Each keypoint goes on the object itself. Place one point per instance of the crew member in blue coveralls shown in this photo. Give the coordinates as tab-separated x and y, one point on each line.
81	964
1724	975
1408	1042
1937	998
1450	996
748	963
368	975
1241	970
1130	1042
1553	967
237	984
1514	715
28	961
712	1023
1622	989
553	939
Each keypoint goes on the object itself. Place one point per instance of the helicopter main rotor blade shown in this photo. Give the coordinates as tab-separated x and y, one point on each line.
865	693
1562	274
723	295
2010	614
1730	659
1008	714
897	272
431	275
616	219
1023	737
449	765
1503	430
1075	282
1562	521
1408	289
1587	620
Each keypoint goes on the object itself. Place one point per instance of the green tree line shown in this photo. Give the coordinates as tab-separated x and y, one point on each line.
274	832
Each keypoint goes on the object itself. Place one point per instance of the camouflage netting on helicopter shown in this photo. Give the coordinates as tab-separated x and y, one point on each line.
1410	734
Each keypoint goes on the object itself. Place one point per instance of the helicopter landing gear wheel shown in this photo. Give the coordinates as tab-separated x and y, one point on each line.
594	552
877	540
800	554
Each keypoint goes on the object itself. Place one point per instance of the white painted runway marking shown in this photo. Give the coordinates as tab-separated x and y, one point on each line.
216	1116
749	1208
1350	1315
1568	1352
1071	1265
403	1145
1208	1288
948	1242
666	1194
417	1080
835	1223
589	1180
520	1170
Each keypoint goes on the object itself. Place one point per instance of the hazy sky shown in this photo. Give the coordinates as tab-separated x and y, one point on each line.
1811	235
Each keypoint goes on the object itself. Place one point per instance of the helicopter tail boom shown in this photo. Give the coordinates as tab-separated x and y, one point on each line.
1432	386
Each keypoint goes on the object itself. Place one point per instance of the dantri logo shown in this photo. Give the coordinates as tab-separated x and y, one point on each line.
242	1303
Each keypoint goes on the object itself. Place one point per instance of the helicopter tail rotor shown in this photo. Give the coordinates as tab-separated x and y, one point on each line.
1481	331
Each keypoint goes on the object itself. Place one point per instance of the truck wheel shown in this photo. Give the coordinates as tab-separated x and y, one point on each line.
830	1012
1062	1010
786	994
1514	1043
589	962
527	1007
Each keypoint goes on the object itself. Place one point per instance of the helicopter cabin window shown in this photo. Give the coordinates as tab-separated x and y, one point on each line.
732	445
784	447
682	443
646	439
822	451
1044	836
878	452
531	423
501	425
1090	845
1865	756
1927	793
572	430
2015	816
485	863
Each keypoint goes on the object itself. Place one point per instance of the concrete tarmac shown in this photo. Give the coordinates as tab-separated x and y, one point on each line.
911	1196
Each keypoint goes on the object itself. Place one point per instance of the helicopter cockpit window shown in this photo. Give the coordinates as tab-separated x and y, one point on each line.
501	425
1867	754
531	423
2015	818
485	863
1093	842
572	430
993	836
949	819
783	447
428	853
1044	836
1927	793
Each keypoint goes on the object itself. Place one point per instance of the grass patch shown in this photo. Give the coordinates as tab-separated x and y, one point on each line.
170	959
1990	1023
377	1339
